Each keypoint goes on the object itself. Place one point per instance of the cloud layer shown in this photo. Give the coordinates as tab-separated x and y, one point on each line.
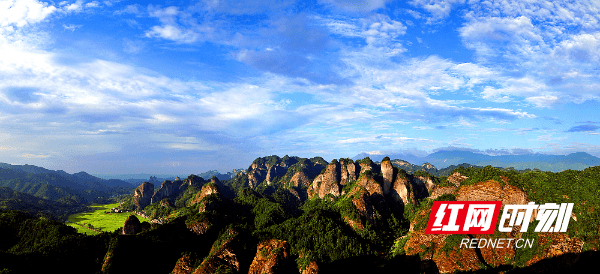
332	79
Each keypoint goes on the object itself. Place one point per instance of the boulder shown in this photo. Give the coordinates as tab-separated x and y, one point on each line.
132	225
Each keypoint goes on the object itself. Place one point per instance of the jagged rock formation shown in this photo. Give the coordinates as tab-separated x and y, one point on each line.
221	256
207	190
409	189
403	188
268	169
448	261
287	171
132	225
183	266
168	190
142	196
312	268
199	227
335	175
272	256
387	170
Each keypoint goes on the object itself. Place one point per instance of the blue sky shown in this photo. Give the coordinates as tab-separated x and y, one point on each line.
181	87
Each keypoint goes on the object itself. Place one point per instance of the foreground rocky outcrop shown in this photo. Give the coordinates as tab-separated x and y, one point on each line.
444	249
272	257
222	256
131	226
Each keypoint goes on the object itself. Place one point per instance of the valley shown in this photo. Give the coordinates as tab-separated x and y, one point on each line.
100	219
302	215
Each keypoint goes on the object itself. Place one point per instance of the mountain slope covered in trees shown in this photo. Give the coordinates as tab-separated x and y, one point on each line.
292	214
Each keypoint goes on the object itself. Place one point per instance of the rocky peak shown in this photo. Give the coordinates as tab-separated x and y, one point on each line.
207	189
349	171
169	189
131	226
327	182
428	166
272	256
387	170
223	257
142	196
409	189
195	181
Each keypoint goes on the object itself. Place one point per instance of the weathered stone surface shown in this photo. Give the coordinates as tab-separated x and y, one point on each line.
387	171
456	178
275	172
193	180
348	171
142	196
183	266
328	182
199	227
411	189
272	256
430	245
132	225
312	268
207	190
372	186
222	256
300	180
365	208
169	190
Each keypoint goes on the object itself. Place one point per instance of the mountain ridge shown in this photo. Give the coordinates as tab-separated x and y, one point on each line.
545	162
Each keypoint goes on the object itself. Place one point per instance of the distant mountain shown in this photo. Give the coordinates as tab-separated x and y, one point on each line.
222	177
14	200
58	185
443	159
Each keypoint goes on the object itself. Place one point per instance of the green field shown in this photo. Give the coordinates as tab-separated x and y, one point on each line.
100	221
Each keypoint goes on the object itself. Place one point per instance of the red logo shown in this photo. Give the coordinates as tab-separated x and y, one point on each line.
463	217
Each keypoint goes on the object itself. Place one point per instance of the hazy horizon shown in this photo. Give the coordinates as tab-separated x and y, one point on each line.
114	87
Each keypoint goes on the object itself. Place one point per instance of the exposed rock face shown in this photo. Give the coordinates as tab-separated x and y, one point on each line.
276	171
328	182
269	169
193	180
365	208
372	186
142	196
272	256
349	171
207	190
492	191
456	178
199	227
132	225
222	256
410	189
387	171
169	190
183	266
312	268
300	180
448	261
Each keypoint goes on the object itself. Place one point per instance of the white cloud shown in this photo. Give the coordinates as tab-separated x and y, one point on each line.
20	13
438	9
93	4
71	27
356	5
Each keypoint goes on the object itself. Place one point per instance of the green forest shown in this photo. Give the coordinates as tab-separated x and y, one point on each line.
221	232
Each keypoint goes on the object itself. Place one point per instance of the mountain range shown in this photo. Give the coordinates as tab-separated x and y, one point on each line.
544	162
